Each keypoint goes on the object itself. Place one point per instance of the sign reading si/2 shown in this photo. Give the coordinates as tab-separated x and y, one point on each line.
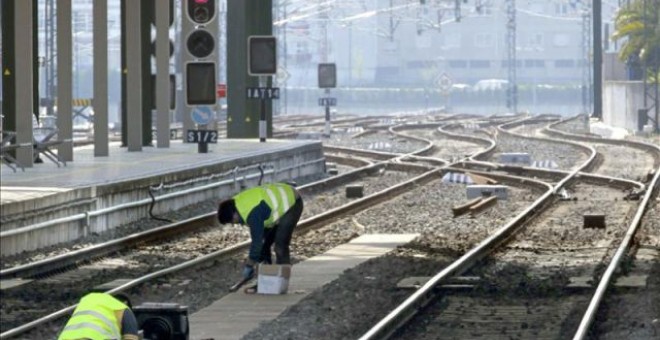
202	136
202	115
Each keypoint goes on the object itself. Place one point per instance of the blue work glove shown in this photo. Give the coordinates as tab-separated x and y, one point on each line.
248	271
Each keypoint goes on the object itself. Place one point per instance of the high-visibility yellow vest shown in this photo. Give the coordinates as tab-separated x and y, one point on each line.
279	197
94	318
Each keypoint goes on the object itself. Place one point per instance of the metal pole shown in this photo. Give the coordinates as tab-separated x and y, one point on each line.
650	90
586	76
8	65
101	146
133	75
327	113
148	100
202	147
64	80
598	58
162	74
350	54
124	104
49	62
180	109
24	80
284	53
512	92
263	82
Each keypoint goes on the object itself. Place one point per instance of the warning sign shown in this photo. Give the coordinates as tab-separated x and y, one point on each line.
443	82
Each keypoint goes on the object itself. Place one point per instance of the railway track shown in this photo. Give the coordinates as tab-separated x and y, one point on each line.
428	293
457	264
444	146
621	158
532	287
63	289
394	165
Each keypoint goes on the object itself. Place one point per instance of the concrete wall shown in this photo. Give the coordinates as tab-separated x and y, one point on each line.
621	100
613	68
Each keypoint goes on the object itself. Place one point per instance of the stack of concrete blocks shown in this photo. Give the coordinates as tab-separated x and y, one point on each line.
501	191
331	168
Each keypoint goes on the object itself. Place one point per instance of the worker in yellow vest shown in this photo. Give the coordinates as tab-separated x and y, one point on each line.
271	211
100	316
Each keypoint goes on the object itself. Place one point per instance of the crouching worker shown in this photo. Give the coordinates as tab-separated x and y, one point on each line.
272	212
100	316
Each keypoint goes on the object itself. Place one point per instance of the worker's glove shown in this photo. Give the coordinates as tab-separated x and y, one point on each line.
248	271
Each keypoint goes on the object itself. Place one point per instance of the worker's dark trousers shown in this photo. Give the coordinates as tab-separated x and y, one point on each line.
281	234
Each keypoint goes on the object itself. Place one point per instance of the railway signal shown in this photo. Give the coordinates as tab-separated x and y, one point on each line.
262	62
199	41
327	78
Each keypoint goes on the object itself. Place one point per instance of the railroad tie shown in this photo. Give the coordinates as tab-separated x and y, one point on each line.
483	205
465	207
355	190
594	221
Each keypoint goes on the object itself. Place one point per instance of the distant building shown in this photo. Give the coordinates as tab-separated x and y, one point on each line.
414	43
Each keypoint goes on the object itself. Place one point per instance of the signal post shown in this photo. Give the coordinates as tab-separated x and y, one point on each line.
262	62
199	36
327	74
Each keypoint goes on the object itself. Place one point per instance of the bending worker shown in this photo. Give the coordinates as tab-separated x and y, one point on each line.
100	316
272	212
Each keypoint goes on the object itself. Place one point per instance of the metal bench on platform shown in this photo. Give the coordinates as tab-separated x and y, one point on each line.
44	139
7	148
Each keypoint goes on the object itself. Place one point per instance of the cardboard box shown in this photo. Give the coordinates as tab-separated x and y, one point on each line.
273	279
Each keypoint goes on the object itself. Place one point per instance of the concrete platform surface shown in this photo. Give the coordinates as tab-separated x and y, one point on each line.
236	314
48	205
87	170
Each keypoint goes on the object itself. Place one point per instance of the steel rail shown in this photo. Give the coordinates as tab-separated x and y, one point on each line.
312	222
479	154
540	172
430	145
587	149
357	121
606	279
356	162
467	138
378	155
420	298
58	262
406	310
471	160
647	147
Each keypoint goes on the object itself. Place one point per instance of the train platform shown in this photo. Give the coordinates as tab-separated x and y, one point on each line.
236	314
90	185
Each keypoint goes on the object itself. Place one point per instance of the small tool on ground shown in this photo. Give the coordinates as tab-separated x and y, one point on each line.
239	284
